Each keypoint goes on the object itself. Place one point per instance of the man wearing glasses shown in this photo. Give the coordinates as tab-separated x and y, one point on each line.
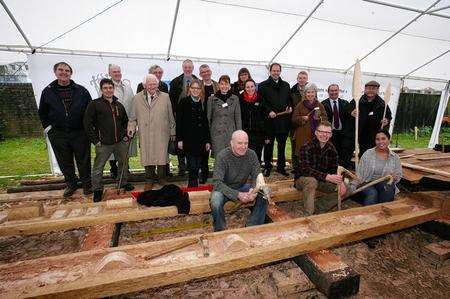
318	166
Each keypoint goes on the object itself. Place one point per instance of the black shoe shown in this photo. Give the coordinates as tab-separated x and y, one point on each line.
266	172
283	172
127	187
87	189
69	191
98	195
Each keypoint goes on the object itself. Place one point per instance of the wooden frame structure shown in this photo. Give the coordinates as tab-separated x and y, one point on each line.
124	269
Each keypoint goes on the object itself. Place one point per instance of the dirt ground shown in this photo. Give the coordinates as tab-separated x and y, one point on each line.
393	269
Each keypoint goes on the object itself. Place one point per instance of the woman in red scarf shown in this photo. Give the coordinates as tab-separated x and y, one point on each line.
253	117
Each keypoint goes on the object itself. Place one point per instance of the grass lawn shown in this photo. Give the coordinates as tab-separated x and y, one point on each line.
20	157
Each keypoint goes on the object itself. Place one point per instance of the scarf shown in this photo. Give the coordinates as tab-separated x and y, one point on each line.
223	97
250	98
310	106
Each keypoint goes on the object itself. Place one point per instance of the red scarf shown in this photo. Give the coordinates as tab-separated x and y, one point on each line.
250	99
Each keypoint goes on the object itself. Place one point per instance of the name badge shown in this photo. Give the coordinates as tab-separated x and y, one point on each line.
371	113
256	104
224	105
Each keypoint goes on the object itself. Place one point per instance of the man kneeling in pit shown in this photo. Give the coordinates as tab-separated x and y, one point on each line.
233	167
317	167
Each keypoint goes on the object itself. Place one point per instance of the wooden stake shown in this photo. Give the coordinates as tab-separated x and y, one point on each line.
387	98
356	92
340	170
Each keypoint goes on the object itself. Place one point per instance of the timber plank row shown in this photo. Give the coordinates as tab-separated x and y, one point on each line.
124	269
425	158
34	218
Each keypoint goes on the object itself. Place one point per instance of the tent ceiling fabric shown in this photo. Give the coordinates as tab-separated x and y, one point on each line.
337	34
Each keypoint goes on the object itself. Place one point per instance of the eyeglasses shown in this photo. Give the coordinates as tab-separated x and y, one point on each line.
195	87
324	132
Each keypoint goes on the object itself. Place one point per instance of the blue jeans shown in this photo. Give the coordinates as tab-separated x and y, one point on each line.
218	200
381	192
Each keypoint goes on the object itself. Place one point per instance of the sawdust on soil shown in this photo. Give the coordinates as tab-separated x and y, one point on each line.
393	269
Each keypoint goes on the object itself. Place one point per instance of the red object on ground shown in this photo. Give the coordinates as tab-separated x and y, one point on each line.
208	187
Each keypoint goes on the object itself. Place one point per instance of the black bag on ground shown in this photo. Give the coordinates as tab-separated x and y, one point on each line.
169	195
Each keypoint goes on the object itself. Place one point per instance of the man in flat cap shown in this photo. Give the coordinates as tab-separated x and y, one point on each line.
371	109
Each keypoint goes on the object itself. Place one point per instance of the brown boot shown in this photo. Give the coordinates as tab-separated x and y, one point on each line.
148	186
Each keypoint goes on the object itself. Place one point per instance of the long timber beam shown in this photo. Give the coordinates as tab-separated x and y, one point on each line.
112	271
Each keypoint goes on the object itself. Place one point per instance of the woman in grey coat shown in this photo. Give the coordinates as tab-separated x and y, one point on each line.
224	115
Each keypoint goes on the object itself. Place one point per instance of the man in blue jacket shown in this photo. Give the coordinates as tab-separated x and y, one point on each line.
61	110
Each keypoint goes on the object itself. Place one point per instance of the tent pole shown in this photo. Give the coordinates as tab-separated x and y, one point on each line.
430	12
395	33
173	29
295	32
443	102
17	26
426	63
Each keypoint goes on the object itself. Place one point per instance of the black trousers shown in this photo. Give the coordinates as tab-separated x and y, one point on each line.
268	152
194	164
256	144
344	146
66	146
181	162
204	166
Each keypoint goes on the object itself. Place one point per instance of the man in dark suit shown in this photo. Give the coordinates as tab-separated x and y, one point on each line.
178	89
158	72
337	112
276	99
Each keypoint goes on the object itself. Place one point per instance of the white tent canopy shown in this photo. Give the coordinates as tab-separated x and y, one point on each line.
337	33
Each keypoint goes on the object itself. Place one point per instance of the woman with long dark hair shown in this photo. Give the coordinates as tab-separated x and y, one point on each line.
243	75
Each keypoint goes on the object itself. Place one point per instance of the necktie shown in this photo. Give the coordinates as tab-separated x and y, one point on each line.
335	116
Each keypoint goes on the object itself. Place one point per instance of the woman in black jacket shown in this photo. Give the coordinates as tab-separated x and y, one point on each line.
253	120
192	130
238	87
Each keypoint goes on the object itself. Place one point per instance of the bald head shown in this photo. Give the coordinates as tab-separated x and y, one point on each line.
239	142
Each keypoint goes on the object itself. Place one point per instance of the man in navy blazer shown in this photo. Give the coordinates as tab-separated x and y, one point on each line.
338	115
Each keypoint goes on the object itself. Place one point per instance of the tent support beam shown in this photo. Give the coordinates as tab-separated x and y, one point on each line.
17	26
443	103
426	63
161	56
395	33
430	12
297	30
175	17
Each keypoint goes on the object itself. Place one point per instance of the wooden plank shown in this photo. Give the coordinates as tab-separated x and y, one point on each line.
426	169
87	214
98	237
433	158
74	275
325	269
25	212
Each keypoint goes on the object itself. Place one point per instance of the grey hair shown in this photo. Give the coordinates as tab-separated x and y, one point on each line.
149	77
153	68
111	65
311	86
